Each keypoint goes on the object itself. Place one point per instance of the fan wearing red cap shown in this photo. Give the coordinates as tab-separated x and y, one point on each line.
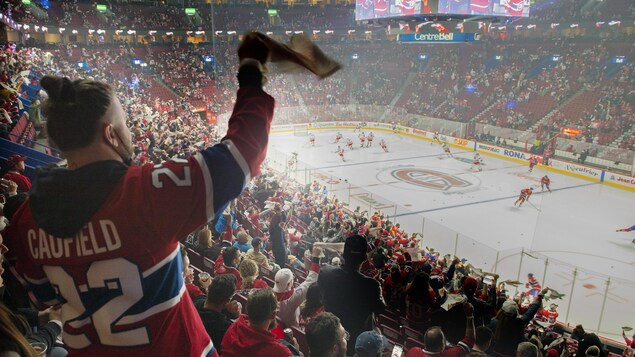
15	165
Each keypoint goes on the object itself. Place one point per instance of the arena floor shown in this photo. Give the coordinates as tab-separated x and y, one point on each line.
568	235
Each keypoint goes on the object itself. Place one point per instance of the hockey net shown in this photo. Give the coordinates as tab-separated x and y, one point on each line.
300	130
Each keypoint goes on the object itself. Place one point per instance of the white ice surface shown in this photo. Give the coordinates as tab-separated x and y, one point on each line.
573	227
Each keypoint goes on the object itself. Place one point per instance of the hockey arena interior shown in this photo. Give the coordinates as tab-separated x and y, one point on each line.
371	177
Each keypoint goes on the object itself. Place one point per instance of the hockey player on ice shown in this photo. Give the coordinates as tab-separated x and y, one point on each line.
446	148
338	137
477	162
312	139
544	182
382	144
629	229
533	161
362	138
349	143
370	138
435	137
340	152
533	285
358	127
524	196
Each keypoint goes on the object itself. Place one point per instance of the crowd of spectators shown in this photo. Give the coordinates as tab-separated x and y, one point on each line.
282	221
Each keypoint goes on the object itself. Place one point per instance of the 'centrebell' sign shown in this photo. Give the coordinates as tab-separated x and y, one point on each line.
437	37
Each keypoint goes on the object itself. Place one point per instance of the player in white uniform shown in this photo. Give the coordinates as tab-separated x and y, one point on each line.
383	145
435	137
349	143
338	137
362	138
446	148
340	152
358	127
478	162
370	138
312	139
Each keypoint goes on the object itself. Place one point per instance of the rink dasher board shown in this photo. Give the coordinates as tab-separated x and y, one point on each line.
556	165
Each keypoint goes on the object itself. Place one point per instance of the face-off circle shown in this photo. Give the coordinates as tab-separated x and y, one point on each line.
429	179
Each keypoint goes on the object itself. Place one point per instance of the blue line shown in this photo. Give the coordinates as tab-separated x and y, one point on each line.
487	201
373	162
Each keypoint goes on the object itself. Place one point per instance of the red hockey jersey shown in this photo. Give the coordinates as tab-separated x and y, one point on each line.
118	273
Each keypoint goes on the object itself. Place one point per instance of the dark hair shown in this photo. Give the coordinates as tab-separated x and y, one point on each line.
222	289
419	290
74	110
321	333
483	336
229	254
313	301
261	305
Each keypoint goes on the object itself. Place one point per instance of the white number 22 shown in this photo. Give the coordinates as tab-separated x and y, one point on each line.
186	180
117	274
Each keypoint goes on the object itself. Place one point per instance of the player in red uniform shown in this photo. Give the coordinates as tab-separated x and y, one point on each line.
108	252
312	139
544	182
524	196
383	145
370	138
349	143
533	161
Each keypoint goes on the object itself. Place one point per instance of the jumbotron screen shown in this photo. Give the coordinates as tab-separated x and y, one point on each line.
379	9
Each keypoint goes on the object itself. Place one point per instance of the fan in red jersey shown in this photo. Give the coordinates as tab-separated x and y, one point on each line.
101	238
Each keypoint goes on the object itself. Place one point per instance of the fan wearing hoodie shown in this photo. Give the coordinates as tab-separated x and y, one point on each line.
249	335
289	298
102	237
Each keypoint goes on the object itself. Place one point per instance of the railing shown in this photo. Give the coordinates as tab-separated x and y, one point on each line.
599	302
620	160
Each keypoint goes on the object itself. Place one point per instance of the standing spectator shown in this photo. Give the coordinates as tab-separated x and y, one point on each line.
482	341
370	344
586	340
326	336
249	273
249	335
483	310
116	232
276	237
256	255
436	345
348	294
420	301
15	167
217	310
289	298
509	327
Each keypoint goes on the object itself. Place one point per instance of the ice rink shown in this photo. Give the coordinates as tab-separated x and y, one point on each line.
566	238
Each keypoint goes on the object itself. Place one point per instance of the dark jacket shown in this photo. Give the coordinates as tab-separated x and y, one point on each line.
352	297
216	323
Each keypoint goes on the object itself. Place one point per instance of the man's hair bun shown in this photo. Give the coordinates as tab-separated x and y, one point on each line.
58	88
